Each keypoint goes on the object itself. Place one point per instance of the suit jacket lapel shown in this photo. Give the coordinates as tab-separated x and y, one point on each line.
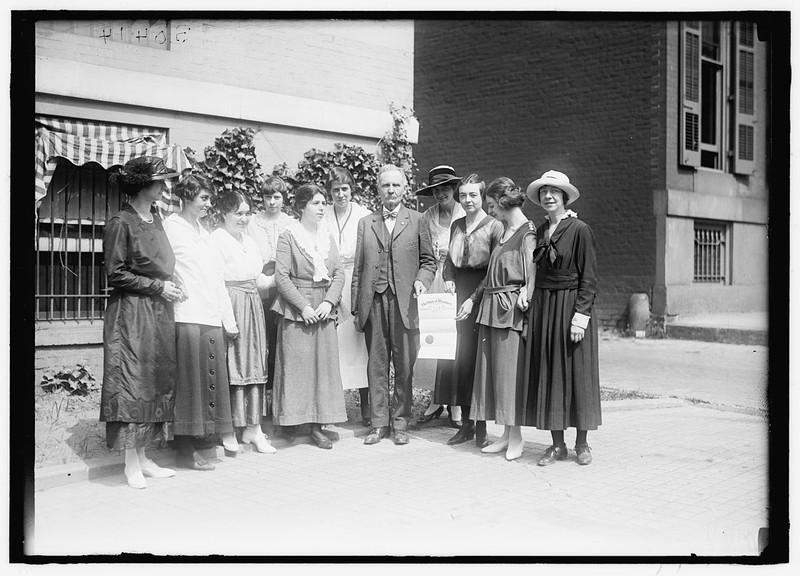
401	224
379	228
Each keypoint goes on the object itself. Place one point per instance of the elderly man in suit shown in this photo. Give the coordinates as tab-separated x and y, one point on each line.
394	263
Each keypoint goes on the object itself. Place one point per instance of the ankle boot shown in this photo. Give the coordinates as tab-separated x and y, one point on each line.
466	432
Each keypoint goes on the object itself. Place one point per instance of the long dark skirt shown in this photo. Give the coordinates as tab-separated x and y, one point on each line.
137	398
497	394
562	378
454	378
202	397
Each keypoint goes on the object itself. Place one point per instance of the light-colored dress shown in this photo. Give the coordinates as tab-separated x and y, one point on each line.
440	240
352	347
308	385
425	369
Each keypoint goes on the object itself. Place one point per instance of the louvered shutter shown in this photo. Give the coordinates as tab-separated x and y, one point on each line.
690	93
743	136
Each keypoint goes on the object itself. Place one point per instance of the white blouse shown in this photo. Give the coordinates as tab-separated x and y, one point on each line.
241	260
266	233
200	271
345	229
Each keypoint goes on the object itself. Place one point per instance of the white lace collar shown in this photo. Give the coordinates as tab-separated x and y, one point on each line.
315	246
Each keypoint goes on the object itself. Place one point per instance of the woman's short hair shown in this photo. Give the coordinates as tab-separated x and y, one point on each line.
303	195
473	179
230	202
275	184
339	175
507	194
190	186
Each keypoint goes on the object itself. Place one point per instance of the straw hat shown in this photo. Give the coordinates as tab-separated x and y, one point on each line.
553	178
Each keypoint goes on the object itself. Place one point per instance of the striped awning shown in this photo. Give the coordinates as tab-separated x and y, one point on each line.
109	145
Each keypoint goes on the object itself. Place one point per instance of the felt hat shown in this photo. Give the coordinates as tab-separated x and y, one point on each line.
553	178
438	176
145	169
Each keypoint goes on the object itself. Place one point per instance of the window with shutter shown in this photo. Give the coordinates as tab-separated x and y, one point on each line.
744	107
690	113
717	115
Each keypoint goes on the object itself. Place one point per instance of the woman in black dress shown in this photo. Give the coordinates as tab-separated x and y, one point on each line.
472	240
562	368
139	329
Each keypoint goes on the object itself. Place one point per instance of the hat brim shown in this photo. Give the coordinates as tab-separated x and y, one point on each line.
533	191
428	189
166	176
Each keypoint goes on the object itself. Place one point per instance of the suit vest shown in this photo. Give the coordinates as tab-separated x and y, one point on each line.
386	272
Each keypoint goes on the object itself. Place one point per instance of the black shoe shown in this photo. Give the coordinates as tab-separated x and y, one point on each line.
376	435
455	423
467	432
584	454
424	419
194	462
481	441
288	433
320	439
552	454
400	437
366	422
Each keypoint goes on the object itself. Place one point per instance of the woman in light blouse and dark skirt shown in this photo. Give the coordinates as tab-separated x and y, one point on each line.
247	353
562	371
202	396
472	240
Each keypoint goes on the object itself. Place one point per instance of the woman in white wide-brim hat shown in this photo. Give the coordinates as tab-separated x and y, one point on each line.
562	367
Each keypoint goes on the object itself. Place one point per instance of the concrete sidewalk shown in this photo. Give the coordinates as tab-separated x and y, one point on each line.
665	481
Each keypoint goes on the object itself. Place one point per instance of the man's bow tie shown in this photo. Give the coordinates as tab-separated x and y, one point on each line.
387	214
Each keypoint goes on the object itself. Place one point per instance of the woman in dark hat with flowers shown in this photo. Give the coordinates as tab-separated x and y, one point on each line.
139	329
562	369
442	185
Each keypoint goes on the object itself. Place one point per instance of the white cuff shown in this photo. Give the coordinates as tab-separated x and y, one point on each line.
581	320
230	327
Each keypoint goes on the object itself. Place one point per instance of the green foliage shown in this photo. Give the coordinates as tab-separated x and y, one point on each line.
316	164
77	381
232	166
395	147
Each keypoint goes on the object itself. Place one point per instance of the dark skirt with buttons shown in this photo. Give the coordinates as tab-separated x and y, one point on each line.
202	394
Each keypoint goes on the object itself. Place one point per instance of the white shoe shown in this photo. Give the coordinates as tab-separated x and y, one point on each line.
496	447
153	470
135	478
229	443
257	438
515	443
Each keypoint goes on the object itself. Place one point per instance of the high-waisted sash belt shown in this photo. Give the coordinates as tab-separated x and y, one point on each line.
503	294
309	283
557	279
242	285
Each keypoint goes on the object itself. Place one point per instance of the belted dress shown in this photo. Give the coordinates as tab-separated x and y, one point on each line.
496	393
563	382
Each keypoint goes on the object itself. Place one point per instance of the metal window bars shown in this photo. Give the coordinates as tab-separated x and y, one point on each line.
710	253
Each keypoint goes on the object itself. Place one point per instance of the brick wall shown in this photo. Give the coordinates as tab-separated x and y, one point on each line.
586	98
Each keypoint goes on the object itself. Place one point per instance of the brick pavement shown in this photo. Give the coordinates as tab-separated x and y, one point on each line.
665	481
